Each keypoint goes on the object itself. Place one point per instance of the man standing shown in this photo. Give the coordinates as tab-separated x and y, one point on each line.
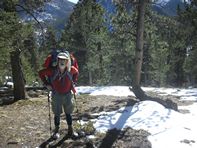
61	84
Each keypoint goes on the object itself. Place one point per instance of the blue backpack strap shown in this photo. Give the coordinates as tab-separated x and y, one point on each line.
69	76
56	73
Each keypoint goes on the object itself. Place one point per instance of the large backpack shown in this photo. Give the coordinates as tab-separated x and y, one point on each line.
51	60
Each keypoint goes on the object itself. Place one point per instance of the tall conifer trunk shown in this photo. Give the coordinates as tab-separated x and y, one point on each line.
139	93
139	50
100	60
17	74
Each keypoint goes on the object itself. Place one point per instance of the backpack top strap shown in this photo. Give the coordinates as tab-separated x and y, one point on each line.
57	73
69	76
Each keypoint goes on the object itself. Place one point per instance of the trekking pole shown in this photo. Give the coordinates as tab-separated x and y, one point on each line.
81	133
76	102
49	112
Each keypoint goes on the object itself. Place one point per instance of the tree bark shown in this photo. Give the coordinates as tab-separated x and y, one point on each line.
139	50
136	88
17	74
100	60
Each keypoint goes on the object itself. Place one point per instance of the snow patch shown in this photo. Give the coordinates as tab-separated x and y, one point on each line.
168	128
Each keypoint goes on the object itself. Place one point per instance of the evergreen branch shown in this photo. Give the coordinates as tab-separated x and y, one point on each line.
31	14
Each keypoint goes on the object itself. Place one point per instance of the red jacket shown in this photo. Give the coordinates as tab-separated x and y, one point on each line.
47	61
60	83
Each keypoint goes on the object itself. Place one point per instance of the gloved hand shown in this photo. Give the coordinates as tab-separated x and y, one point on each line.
74	84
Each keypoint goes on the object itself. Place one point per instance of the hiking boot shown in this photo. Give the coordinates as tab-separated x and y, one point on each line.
55	134
70	130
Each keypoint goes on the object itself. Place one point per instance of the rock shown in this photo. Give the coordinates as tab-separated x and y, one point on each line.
32	94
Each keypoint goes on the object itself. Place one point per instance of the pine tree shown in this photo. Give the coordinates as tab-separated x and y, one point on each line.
174	43
85	31
156	50
122	46
139	50
12	39
188	29
30	54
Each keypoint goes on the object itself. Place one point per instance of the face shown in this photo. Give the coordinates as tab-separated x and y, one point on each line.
62	64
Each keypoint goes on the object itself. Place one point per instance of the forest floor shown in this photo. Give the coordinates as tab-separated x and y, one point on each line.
25	123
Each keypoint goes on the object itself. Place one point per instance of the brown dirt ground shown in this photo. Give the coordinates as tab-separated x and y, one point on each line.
25	123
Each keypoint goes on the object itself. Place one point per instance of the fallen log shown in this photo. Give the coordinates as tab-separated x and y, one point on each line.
142	96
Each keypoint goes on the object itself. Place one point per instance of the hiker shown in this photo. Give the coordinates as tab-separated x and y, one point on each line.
61	85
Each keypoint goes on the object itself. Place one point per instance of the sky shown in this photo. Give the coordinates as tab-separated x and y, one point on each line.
159	1
168	128
74	1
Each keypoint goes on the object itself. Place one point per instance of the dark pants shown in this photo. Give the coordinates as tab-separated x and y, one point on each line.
68	120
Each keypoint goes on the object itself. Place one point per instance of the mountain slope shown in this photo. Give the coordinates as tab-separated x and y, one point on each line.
163	7
168	7
55	13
